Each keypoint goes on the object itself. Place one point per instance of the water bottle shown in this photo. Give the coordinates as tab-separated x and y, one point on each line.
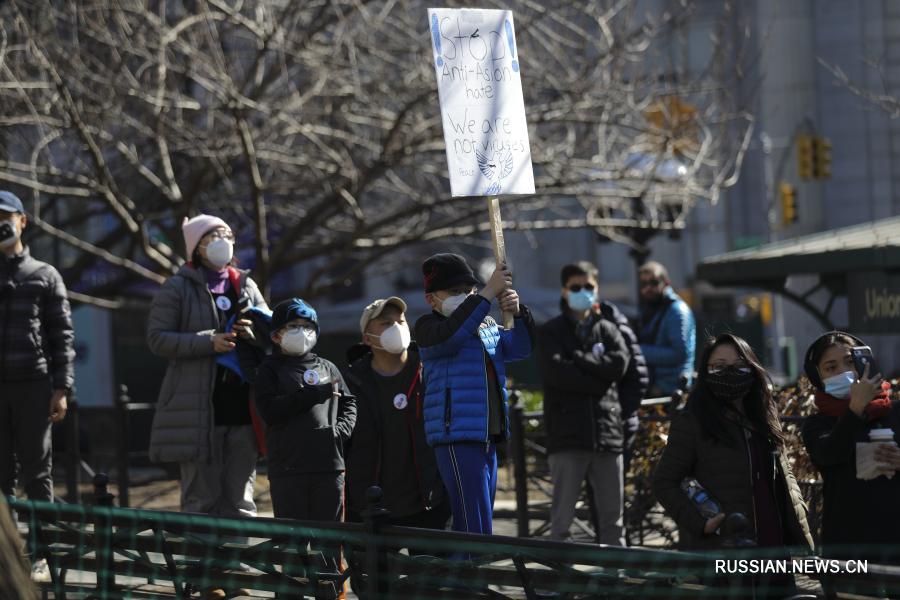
708	507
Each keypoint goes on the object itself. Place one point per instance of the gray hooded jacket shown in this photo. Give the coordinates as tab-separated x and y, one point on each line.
183	319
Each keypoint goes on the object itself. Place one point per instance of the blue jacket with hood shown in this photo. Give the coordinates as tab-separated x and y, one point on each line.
669	340
453	352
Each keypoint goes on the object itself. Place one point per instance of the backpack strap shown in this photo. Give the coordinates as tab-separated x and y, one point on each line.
235	277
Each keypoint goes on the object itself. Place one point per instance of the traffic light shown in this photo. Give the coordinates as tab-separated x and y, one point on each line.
788	195
804	156
821	158
765	309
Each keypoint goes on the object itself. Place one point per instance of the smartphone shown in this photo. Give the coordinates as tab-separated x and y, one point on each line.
862	356
243	306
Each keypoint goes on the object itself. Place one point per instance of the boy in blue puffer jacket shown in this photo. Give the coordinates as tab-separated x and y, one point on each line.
464	352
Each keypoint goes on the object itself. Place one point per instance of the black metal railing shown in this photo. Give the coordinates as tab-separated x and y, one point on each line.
125	408
70	455
645	520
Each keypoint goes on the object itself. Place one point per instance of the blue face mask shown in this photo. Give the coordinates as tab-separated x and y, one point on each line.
582	300
838	386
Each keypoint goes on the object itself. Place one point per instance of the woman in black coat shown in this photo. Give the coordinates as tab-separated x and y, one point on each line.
729	439
859	515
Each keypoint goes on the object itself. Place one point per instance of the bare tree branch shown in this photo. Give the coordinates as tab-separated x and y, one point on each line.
313	127
886	101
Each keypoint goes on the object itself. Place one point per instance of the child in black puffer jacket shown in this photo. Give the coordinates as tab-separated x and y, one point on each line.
309	415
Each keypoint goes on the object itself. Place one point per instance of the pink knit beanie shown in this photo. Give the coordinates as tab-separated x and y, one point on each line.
197	227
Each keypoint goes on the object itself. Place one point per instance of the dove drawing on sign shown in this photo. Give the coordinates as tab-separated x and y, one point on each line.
499	166
487	166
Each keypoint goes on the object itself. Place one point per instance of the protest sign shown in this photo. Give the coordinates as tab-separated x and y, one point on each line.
482	109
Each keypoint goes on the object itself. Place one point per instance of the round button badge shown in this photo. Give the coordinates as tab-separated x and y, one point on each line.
400	401
311	377
223	303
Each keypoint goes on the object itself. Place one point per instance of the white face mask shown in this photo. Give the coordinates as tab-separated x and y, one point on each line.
219	252
298	342
451	303
9	233
395	339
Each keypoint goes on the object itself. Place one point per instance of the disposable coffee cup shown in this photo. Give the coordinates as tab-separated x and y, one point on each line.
881	435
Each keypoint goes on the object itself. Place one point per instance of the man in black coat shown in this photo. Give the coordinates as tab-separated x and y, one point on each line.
36	357
582	359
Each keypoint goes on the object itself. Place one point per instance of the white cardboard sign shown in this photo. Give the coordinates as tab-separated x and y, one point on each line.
482	109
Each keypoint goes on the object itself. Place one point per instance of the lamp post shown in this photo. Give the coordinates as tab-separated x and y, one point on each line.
772	220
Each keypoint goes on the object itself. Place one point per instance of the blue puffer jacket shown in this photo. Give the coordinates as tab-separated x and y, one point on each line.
453	354
669	345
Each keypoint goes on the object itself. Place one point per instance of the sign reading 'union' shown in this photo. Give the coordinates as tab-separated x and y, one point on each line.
873	301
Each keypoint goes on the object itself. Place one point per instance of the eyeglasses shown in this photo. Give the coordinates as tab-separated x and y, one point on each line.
221	234
300	327
645	283
575	288
719	367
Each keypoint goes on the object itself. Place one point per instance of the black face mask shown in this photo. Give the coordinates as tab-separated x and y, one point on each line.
651	305
730	384
8	233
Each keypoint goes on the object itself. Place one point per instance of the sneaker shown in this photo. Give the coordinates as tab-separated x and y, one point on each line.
40	571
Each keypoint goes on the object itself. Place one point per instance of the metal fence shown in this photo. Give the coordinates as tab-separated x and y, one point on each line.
103	552
108	552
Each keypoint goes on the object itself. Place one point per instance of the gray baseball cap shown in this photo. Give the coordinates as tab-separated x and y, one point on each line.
377	307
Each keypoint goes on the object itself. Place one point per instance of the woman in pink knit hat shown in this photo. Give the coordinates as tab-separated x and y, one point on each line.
203	417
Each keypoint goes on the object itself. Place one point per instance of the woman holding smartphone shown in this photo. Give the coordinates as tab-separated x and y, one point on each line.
860	514
202	418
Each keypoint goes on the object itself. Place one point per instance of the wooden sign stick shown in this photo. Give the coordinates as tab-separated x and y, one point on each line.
499	247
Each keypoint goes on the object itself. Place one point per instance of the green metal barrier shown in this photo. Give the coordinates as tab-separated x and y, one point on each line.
131	552
102	552
108	552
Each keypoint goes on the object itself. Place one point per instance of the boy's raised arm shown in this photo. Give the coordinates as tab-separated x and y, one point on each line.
519	342
445	336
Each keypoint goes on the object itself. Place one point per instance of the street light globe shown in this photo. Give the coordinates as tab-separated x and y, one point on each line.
665	170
